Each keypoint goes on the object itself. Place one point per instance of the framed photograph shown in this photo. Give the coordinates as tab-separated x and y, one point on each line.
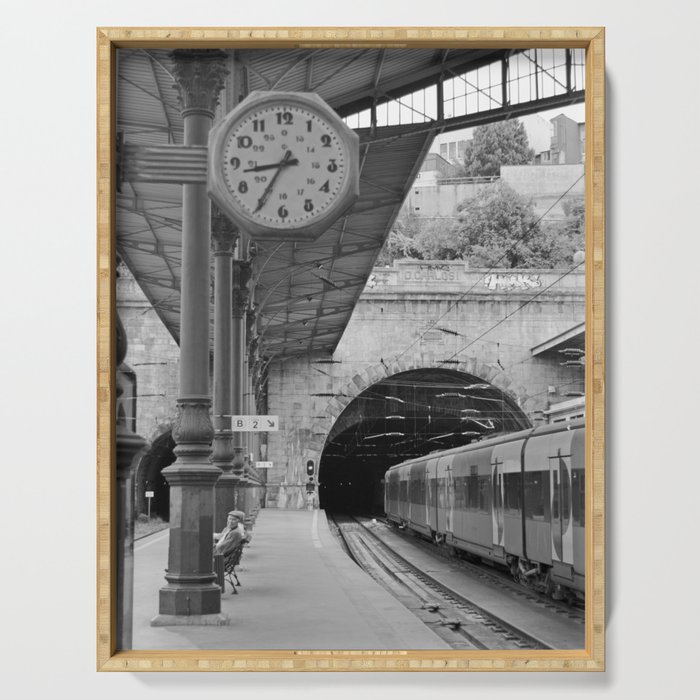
351	349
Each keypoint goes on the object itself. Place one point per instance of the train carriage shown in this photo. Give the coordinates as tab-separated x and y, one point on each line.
516	499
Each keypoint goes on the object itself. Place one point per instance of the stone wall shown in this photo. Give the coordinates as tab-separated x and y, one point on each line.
391	331
153	356
543	184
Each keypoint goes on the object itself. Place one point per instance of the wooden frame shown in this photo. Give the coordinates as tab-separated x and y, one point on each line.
589	659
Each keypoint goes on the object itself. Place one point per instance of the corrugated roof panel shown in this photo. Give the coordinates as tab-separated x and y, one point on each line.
305	292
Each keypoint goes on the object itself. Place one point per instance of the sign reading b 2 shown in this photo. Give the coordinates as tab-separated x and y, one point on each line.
255	424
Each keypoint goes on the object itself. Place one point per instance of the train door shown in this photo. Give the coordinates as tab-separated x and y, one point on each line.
562	532
403	508
506	463
429	498
497	501
578	505
442	509
449	494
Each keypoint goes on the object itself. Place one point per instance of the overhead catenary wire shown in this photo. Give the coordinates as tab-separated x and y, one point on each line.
519	308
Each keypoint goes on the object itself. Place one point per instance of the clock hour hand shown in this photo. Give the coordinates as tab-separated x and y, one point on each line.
266	193
281	164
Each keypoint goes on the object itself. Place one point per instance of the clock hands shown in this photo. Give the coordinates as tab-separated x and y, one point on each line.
258	168
282	164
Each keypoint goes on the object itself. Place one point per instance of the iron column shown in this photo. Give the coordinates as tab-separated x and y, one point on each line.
191	591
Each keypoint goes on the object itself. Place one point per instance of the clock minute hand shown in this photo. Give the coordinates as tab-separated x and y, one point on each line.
281	164
268	189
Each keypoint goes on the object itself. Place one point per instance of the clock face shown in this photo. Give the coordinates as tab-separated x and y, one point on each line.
284	165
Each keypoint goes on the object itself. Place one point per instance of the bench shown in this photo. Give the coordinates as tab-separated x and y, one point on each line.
225	567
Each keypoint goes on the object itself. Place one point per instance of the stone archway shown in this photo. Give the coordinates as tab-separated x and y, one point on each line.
384	417
369	376
149	477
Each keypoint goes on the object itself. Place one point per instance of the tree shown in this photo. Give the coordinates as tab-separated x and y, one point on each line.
415	238
575	214
498	228
494	145
400	242
437	239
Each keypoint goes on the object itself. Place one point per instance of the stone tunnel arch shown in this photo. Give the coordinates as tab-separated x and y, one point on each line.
149	477
387	414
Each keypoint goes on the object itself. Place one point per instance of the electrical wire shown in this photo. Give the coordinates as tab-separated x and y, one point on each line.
522	239
515	311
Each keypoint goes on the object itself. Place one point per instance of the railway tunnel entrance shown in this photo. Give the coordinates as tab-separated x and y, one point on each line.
403	416
150	479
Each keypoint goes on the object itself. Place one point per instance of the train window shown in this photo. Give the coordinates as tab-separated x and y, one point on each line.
413	490
484	493
473	491
512	491
460	492
555	495
534	495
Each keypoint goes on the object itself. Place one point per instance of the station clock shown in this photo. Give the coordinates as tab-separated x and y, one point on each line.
283	166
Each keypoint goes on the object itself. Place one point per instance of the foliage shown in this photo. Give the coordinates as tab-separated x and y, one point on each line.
415	238
498	228
575	211
494	145
400	243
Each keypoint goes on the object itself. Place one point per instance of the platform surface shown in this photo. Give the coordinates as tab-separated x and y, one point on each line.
299	590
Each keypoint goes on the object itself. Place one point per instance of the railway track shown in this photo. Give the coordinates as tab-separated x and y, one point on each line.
451	614
495	577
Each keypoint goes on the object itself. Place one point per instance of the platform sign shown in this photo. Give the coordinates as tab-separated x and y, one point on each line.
255	424
149	496
263	465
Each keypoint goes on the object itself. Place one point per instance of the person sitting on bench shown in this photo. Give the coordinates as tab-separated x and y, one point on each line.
232	535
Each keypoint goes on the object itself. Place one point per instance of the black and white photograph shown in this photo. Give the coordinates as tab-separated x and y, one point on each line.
351	309
388	423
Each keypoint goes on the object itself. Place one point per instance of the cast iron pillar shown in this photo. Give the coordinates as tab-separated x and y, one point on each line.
241	277
191	595
129	444
224	237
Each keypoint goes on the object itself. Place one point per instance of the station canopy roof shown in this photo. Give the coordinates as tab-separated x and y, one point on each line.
304	293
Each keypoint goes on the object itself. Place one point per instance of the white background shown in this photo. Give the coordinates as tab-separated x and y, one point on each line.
47	341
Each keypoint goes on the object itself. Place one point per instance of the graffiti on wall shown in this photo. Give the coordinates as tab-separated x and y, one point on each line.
506	283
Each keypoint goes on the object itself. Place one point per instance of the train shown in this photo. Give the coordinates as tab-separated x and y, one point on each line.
515	500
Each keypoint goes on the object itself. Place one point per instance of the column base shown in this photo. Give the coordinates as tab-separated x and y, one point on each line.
214	619
191	601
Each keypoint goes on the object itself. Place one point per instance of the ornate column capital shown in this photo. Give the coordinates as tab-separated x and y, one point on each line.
199	76
224	234
193	430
